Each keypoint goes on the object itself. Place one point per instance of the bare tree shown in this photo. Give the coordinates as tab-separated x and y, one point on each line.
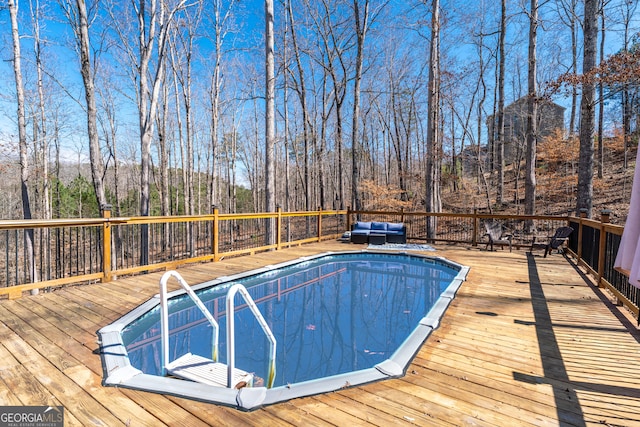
270	121
300	87
627	12
567	11
147	61
181	50
362	22
600	152
335	42
587	109
22	138
79	20
41	138
285	97
501	66
221	18
433	203
532	115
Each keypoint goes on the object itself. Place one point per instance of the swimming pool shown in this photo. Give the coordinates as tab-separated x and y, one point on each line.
340	319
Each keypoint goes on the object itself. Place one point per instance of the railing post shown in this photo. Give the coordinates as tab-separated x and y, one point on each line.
319	224
106	244
604	219
279	229
216	234
474	237
583	215
348	218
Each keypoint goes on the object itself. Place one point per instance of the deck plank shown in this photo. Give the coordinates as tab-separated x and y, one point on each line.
368	414
527	341
382	400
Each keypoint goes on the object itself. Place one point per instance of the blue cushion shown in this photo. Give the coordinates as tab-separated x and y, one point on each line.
362	226
394	233
395	226
379	226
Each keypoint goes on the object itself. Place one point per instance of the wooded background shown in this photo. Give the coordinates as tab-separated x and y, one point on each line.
169	107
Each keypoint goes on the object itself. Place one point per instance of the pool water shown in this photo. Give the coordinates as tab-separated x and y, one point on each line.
330	315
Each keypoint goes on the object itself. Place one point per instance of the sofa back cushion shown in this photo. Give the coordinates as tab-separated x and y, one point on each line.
395	226
362	226
379	226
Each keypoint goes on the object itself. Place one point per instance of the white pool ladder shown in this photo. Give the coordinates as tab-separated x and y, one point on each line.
210	371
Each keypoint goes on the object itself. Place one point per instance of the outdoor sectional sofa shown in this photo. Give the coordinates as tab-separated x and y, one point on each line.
378	233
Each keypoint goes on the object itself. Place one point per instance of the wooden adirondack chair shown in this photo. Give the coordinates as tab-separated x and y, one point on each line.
555	242
496	235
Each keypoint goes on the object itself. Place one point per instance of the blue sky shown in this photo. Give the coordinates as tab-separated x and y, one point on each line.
460	20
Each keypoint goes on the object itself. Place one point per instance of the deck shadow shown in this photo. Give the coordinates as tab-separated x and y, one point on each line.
614	309
568	408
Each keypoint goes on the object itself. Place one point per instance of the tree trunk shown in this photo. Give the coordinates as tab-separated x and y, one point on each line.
532	116
362	26
433	202
165	202
285	97
569	18
270	136
302	95
150	21
95	156
22	136
601	104
500	147
587	110
42	136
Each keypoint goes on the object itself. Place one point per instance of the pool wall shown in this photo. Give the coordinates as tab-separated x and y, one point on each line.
119	372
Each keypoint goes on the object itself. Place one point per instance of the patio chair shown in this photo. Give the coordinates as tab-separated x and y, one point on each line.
496	235
555	242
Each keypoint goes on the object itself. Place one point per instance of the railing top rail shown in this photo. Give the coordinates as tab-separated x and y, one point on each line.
223	217
467	215
314	213
525	217
72	222
157	219
614	229
51	223
609	228
589	221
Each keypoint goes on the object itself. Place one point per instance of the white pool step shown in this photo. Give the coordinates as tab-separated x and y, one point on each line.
206	371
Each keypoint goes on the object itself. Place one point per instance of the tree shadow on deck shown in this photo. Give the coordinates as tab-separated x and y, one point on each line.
614	309
565	391
566	399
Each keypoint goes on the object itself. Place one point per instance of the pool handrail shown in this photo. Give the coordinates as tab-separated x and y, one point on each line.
233	290
164	317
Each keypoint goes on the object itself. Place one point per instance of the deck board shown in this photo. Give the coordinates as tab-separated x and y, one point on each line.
527	341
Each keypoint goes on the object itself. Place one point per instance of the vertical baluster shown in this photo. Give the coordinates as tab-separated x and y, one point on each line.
171	239
93	244
79	257
151	243
18	259
7	266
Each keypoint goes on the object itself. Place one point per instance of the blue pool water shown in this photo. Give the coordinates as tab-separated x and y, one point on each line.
330	315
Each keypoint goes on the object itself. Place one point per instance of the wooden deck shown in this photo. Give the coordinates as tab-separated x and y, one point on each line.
527	341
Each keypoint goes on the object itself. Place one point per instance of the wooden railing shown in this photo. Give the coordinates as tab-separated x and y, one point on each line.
466	228
70	251
594	244
40	254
